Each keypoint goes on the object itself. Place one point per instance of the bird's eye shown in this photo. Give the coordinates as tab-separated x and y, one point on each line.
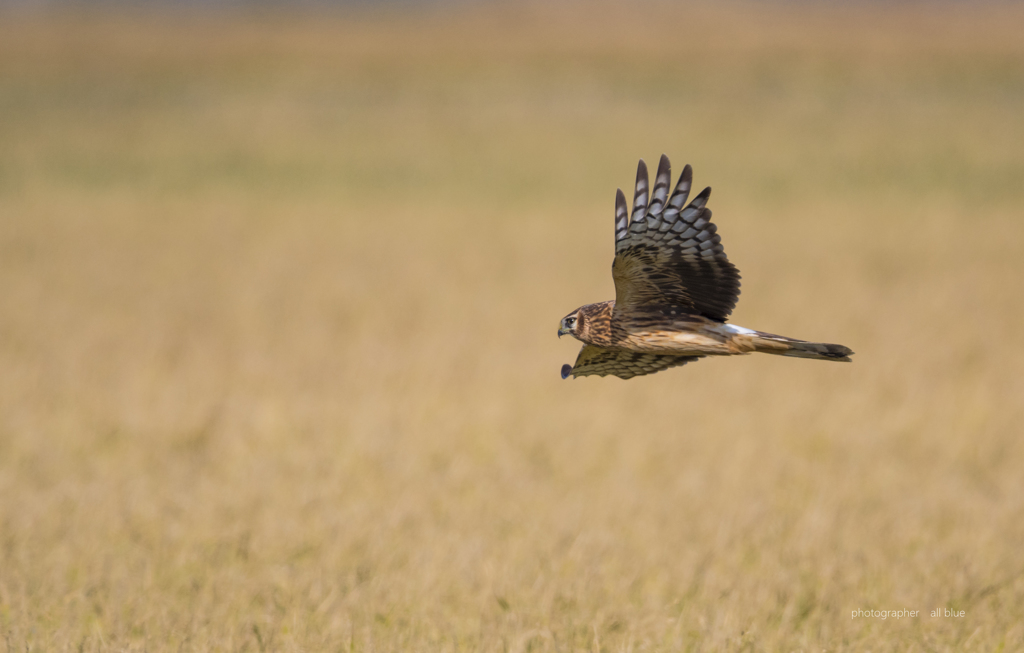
569	321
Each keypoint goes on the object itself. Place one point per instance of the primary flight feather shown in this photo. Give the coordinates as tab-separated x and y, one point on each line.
674	289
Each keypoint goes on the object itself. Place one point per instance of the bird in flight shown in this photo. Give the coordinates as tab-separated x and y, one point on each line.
674	289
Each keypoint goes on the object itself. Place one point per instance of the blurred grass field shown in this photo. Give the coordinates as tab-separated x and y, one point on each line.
278	302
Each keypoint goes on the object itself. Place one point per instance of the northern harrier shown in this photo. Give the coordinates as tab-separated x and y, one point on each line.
674	288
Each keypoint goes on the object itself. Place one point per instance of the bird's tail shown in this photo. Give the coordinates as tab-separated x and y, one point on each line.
768	343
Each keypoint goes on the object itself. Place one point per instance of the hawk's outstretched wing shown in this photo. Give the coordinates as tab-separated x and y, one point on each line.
621	363
670	256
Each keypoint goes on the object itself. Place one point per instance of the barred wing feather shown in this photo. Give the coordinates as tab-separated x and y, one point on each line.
621	362
669	256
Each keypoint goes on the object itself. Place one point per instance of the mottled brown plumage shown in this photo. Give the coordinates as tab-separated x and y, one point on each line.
674	289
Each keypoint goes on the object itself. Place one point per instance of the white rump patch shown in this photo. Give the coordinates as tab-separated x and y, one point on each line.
738	329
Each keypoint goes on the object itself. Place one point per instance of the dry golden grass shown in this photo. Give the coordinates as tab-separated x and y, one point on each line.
278	300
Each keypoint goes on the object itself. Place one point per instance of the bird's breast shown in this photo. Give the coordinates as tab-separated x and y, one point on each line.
679	335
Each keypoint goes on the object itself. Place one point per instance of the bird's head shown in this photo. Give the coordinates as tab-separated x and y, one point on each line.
573	324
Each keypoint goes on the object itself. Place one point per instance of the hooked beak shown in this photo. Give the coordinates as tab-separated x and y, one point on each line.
562	331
